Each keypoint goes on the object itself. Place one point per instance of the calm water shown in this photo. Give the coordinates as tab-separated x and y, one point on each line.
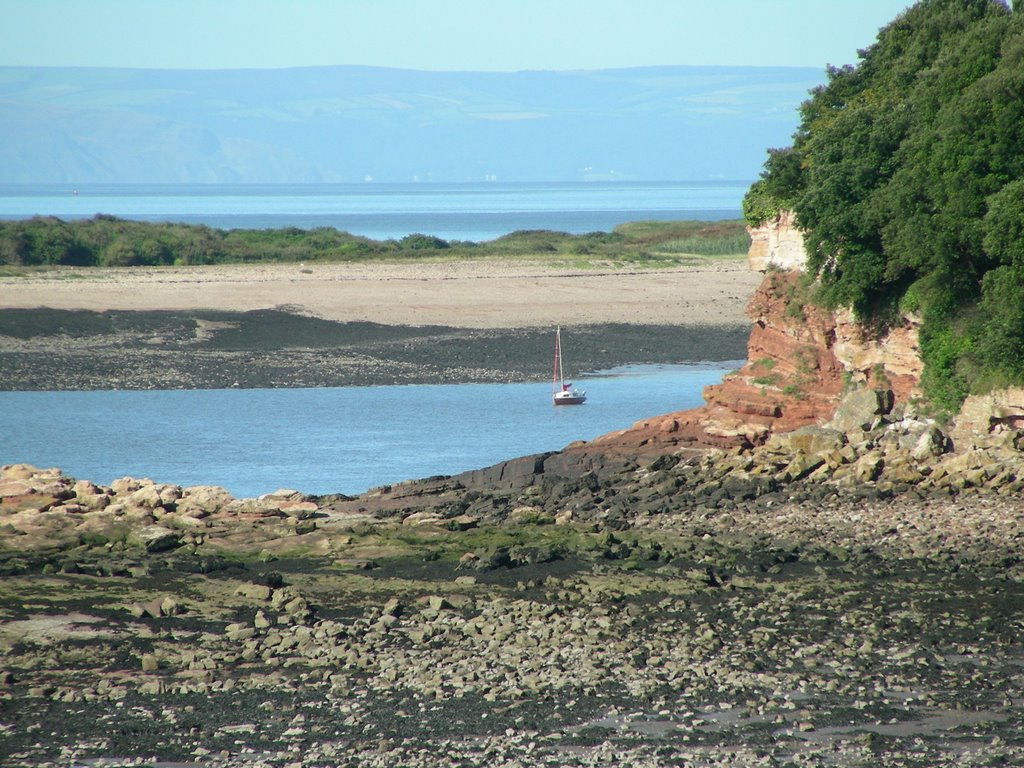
346	440
324	440
478	211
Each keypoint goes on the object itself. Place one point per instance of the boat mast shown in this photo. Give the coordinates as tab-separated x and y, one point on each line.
556	374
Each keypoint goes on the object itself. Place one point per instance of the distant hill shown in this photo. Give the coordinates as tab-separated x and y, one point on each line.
323	124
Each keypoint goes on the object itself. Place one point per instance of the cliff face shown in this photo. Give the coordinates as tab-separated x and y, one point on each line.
777	243
800	360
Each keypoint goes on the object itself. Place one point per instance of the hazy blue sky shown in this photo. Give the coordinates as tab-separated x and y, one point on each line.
438	34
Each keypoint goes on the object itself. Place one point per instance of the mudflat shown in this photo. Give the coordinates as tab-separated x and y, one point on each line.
358	324
464	294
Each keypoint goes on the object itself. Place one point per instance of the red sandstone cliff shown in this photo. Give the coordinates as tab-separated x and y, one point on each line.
799	360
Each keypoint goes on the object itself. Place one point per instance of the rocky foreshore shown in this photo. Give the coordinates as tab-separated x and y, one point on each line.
845	594
44	349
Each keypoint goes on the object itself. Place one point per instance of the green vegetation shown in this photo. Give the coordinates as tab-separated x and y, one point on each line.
107	241
907	174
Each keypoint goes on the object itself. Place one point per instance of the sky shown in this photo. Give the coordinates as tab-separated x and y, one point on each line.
474	35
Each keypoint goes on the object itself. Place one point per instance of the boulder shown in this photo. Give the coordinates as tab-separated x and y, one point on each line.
858	410
299	510
27	472
154	538
10	488
254	591
810	440
152	495
210	498
998	411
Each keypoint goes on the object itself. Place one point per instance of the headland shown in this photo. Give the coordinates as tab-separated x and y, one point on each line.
804	570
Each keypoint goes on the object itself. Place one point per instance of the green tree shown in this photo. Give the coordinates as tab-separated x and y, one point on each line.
905	175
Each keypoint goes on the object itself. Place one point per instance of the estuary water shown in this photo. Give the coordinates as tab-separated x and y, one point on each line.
470	211
331	440
347	440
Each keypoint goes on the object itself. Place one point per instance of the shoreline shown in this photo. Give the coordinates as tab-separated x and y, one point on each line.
478	294
269	326
576	608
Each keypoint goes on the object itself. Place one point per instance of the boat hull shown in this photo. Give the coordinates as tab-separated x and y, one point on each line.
569	398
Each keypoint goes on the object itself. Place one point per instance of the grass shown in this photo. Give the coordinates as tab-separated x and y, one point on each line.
41	243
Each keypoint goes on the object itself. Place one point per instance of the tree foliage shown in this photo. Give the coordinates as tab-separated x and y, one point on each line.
107	241
909	184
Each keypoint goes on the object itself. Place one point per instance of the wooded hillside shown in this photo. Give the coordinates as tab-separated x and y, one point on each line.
907	174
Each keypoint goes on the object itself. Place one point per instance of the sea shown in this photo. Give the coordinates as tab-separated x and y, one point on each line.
329	440
475	211
348	440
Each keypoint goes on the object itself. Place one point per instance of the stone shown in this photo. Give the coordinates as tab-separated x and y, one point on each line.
997	411
210	498
149	663
930	444
155	538
777	243
169	606
15	488
810	440
860	408
254	591
299	510
423	518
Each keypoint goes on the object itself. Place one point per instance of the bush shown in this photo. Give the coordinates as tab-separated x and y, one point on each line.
907	177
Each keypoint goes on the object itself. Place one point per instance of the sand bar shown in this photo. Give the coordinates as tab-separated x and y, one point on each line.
467	294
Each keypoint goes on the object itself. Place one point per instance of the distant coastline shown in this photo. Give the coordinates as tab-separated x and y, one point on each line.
472	211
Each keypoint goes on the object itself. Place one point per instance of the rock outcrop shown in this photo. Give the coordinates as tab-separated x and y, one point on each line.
800	360
778	243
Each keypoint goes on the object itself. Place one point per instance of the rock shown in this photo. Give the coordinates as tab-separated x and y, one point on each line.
210	498
423	518
149	663
929	444
299	510
859	409
998	411
154	538
15	488
777	243
152	495
254	591
810	440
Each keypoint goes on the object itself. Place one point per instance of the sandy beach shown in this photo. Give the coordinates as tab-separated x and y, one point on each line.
464	294
329	325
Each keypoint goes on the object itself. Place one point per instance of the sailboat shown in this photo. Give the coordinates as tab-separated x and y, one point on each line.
563	393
